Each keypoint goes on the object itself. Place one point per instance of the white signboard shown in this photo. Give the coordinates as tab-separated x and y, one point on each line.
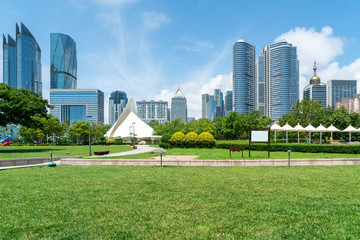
259	136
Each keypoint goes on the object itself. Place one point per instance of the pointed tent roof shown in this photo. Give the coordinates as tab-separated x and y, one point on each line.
275	127
350	129
179	94
321	128
299	128
310	128
128	118
332	129
287	127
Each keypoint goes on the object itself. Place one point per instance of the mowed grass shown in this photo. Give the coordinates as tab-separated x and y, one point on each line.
8	152
218	153
113	202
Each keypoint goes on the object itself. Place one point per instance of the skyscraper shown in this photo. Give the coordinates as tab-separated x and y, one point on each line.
316	90
219	99
338	89
204	100
63	68
22	61
243	77
152	110
117	103
178	106
277	79
211	108
228	102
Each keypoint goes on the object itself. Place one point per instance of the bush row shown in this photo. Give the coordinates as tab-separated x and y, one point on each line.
192	139
312	148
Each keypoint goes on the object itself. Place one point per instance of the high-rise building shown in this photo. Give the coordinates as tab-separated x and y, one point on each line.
63	62
243	77
228	102
77	104
351	104
219	99
117	104
178	106
316	90
152	110
211	108
277	79
204	100
22	61
338	89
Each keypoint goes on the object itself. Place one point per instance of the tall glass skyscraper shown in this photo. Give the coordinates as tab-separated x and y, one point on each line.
228	102
243	77
205	98
22	61
63	68
338	89
117	103
277	79
316	90
178	106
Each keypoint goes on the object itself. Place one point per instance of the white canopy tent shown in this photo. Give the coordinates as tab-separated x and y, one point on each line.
287	128
275	128
310	129
130	125
298	128
321	129
350	129
332	129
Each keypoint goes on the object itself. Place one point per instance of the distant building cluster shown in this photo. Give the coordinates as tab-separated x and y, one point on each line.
214	106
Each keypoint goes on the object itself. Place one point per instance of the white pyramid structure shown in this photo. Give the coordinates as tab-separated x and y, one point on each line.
127	122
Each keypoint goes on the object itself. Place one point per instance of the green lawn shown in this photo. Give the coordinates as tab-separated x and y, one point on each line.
58	151
113	202
218	153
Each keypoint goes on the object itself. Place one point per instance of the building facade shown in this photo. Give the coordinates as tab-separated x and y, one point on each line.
22	61
338	89
277	79
76	104
178	106
152	110
351	104
117	104
211	108
63	62
316	90
228	102
243	77
219	99
204	100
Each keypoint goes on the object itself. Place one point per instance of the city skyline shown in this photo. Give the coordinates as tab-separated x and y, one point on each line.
149	48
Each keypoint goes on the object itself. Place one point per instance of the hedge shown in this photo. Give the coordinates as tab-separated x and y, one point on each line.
311	148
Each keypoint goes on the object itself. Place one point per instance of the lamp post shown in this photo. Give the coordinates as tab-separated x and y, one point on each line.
133	133
87	117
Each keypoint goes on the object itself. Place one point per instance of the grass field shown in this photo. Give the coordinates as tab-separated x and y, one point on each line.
58	151
107	202
217	153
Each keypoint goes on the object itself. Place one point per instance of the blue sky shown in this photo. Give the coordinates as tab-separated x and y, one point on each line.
148	48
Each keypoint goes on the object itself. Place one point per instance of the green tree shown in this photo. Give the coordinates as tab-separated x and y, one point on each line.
79	131
18	106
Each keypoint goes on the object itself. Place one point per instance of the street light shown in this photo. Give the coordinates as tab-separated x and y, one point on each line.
133	133
87	117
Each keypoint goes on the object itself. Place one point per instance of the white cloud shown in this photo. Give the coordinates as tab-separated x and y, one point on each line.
154	20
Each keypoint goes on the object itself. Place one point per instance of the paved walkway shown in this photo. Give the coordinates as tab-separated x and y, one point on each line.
140	149
25	166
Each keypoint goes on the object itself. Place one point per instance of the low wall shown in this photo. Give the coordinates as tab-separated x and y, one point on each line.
26	161
213	163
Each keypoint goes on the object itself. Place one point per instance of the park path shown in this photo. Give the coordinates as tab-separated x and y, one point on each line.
140	149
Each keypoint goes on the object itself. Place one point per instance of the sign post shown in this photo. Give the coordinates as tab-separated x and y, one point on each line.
259	135
161	151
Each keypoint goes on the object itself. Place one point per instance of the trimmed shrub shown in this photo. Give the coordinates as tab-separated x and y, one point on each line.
119	141
206	140
110	141
191	139
165	145
165	138
177	139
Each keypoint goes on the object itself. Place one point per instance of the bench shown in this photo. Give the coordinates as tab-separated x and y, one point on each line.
104	152
236	149
105	144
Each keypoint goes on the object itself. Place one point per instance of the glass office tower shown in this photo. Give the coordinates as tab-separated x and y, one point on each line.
63	68
205	98
178	106
243	77
22	61
228	102
277	79
152	110
338	89
316	90
117	103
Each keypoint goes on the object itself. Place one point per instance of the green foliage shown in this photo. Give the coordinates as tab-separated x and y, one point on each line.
18	106
79	132
177	139
164	145
165	138
206	140
191	139
110	141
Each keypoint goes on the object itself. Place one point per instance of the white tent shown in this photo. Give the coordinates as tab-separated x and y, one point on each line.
321	129
275	128
350	129
310	129
129	124
287	128
332	129
298	128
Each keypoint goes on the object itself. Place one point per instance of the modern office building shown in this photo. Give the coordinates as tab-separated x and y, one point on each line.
316	90
228	102
211	108
178	106
219	99
204	100
243	77
277	79
117	104
22	61
152	110
351	104
77	104
63	62
338	89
